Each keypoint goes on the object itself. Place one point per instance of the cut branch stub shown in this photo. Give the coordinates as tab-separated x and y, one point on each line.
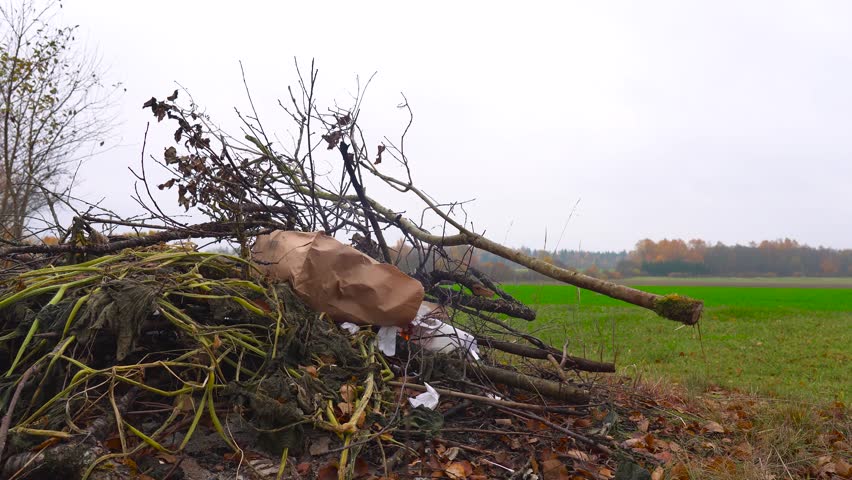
677	307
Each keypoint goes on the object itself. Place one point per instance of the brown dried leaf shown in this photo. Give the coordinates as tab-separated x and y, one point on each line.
743	451
578	455
328	471
348	392
582	423
332	138
344	120
680	472
633	443
168	184
170	155
303	468
722	465
459	470
113	444
713	427
635	416
842	468
554	469
745	424
362	468
172	97
450	453
658	473
346	408
379	156
665	457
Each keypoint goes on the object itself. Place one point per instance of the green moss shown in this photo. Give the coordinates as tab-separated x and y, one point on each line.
678	307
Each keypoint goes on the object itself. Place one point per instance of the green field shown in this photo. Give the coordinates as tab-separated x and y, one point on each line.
791	342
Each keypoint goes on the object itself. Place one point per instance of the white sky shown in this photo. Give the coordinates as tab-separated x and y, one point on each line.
723	120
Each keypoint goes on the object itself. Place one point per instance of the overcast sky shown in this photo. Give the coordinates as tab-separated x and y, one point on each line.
726	121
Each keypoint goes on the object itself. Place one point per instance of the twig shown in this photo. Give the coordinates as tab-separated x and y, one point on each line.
783	464
489	401
484	460
7	419
368	212
562	375
581	438
470	448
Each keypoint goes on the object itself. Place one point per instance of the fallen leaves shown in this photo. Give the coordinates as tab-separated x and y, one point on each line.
713	427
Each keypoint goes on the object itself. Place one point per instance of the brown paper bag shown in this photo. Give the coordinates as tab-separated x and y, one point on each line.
337	279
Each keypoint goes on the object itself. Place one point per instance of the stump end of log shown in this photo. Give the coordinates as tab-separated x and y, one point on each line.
679	308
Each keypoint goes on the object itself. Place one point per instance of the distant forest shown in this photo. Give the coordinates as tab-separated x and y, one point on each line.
679	258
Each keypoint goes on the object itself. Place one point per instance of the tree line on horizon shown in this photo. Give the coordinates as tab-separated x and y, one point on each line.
679	258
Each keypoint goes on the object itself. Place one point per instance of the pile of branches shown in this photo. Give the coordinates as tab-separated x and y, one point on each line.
114	346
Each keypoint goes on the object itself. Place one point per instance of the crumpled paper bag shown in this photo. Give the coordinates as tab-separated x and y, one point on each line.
337	279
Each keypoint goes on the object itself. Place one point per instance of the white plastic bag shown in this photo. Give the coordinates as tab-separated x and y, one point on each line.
430	332
350	327
386	340
428	399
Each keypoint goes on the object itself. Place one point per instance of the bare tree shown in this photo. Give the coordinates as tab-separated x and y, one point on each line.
52	107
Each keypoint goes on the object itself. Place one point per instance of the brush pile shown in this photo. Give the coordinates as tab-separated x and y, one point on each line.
119	362
123	356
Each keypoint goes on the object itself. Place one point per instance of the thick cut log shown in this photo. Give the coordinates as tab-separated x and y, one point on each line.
540	386
545	388
674	307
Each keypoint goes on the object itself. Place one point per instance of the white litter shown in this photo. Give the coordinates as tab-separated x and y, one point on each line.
436	336
386	340
428	399
350	327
